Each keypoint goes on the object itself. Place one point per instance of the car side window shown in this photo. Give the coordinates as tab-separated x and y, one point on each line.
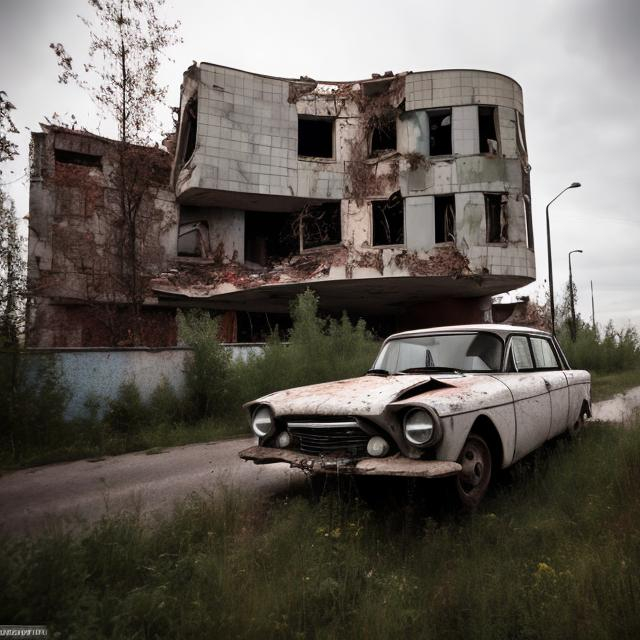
520	353
543	354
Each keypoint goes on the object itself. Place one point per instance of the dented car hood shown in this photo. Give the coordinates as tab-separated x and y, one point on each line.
367	395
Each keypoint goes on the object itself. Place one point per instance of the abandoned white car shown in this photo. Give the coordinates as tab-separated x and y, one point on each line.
461	401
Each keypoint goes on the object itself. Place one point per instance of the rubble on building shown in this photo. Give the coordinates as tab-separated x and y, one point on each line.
392	197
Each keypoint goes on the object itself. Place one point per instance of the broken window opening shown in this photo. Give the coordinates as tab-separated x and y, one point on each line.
260	326
487	130
270	237
320	225
387	218
445	218
75	157
193	239
439	132
521	137
383	135
496	207
315	137
191	127
528	220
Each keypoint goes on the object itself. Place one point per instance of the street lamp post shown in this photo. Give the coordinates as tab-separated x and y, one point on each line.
573	308
573	185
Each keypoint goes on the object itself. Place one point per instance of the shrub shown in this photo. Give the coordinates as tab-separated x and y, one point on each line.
165	406
33	401
318	350
614	351
127	413
208	369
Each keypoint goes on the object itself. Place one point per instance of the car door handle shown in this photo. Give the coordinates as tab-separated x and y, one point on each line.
547	384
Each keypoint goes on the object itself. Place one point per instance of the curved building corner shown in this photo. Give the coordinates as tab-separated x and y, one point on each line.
404	198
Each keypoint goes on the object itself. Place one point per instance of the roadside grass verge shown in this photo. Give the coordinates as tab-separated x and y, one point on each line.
34	430
606	385
98	440
553	553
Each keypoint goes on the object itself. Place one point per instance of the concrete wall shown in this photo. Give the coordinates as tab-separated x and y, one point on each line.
98	373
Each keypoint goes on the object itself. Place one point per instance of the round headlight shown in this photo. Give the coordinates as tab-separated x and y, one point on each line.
262	422
418	427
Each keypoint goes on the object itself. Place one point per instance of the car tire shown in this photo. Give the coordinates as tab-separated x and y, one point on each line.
472	483
575	429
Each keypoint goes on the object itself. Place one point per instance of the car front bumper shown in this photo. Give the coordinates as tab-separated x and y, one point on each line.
392	466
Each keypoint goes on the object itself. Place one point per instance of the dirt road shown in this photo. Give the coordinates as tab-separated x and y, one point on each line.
84	491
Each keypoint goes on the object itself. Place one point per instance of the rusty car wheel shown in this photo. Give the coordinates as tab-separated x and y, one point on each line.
473	481
577	428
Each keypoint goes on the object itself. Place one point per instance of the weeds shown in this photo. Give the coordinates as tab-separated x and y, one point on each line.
35	431
32	403
317	350
611	352
554	553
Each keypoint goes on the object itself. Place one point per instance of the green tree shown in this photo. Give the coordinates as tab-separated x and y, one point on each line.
12	275
12	266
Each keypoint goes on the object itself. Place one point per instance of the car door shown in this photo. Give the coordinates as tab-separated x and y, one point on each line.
548	363
531	399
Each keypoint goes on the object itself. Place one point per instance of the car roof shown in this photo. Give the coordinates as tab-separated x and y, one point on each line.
502	330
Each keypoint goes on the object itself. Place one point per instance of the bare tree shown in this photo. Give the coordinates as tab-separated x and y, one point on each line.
8	148
127	41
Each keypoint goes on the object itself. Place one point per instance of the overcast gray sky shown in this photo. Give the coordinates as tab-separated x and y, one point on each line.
577	61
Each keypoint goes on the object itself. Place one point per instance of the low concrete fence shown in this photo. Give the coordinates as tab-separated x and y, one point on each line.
98	373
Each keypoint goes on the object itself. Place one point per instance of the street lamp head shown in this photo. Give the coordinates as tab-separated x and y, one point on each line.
574	185
578	250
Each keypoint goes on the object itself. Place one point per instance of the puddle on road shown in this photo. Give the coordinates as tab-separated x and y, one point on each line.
619	409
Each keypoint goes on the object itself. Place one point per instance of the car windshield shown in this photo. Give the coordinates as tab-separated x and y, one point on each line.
473	352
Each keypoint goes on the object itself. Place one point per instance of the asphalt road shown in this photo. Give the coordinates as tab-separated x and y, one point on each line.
73	493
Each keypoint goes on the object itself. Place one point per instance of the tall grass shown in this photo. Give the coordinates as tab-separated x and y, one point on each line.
32	404
317	350
555	553
607	352
32	407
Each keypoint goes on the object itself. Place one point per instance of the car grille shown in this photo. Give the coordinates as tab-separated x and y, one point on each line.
318	437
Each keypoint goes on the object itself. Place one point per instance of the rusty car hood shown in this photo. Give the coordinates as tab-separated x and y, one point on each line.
367	395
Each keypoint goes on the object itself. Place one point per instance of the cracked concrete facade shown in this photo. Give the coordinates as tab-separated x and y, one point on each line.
404	198
246	158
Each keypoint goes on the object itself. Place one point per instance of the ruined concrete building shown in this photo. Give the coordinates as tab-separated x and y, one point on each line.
404	199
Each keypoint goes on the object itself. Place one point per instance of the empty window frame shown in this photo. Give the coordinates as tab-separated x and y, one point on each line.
521	136
75	157
383	135
191	127
193	239
387	221
439	132
315	137
528	220
445	218
320	225
270	236
496	207
487	118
